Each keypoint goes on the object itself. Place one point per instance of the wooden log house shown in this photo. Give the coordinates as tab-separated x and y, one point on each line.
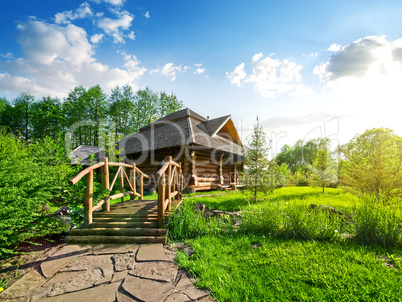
209	151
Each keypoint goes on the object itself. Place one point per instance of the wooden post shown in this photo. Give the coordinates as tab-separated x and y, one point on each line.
179	183
161	200
169	184
221	169
121	183
142	186
88	198
133	181
105	183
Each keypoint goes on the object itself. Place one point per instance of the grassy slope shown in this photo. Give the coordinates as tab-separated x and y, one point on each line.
258	267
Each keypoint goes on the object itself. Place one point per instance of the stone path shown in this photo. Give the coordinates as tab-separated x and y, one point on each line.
107	273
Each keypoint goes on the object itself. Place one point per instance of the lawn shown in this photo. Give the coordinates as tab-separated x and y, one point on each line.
284	252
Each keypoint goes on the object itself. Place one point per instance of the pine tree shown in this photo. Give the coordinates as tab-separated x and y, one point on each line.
257	164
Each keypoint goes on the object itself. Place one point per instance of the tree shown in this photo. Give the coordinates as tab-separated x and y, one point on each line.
257	163
373	163
301	155
46	118
168	103
121	110
21	114
324	168
146	106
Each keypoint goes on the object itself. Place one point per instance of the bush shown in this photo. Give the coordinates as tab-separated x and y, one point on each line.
31	176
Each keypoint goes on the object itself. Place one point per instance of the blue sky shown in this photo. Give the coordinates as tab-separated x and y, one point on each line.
306	68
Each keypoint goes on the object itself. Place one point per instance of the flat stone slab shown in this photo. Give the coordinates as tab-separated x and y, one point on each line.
147	290
89	262
102	249
73	281
151	252
101	293
187	287
123	262
61	259
119	276
158	270
22	287
177	297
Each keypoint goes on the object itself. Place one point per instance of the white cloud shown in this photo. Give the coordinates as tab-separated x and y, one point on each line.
81	12
132	64
131	35
334	47
58	58
282	121
114	27
46	43
237	75
170	70
371	56
97	38
112	2
271	76
199	70
8	55
312	54
147	15
257	57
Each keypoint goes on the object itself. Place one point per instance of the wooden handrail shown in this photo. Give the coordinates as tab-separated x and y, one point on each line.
163	169
85	172
170	185
113	164
106	185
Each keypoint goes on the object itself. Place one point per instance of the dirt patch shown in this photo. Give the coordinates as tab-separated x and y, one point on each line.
30	257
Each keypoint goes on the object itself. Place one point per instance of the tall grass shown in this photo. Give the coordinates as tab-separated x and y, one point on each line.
288	215
376	222
187	222
293	222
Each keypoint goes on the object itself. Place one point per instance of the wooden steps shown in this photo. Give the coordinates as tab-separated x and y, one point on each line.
126	222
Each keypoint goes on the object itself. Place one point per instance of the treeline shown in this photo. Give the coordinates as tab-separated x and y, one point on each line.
89	112
370	163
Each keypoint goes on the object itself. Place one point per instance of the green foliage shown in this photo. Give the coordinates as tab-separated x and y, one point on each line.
377	223
324	168
373	162
261	268
301	156
31	175
258	177
285	251
187	222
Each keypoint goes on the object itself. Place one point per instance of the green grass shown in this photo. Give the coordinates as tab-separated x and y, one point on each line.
285	251
233	201
289	270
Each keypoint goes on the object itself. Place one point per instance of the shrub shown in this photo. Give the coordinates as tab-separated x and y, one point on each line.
31	175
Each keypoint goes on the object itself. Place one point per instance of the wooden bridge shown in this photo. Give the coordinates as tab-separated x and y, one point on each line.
129	221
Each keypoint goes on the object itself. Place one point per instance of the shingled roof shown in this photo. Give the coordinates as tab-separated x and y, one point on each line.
182	128
82	152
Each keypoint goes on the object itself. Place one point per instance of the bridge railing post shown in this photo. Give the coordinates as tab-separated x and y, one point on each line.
105	183
161	199
88	198
133	181
142	186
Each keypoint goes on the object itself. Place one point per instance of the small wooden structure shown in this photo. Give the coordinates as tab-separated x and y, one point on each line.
128	221
209	151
